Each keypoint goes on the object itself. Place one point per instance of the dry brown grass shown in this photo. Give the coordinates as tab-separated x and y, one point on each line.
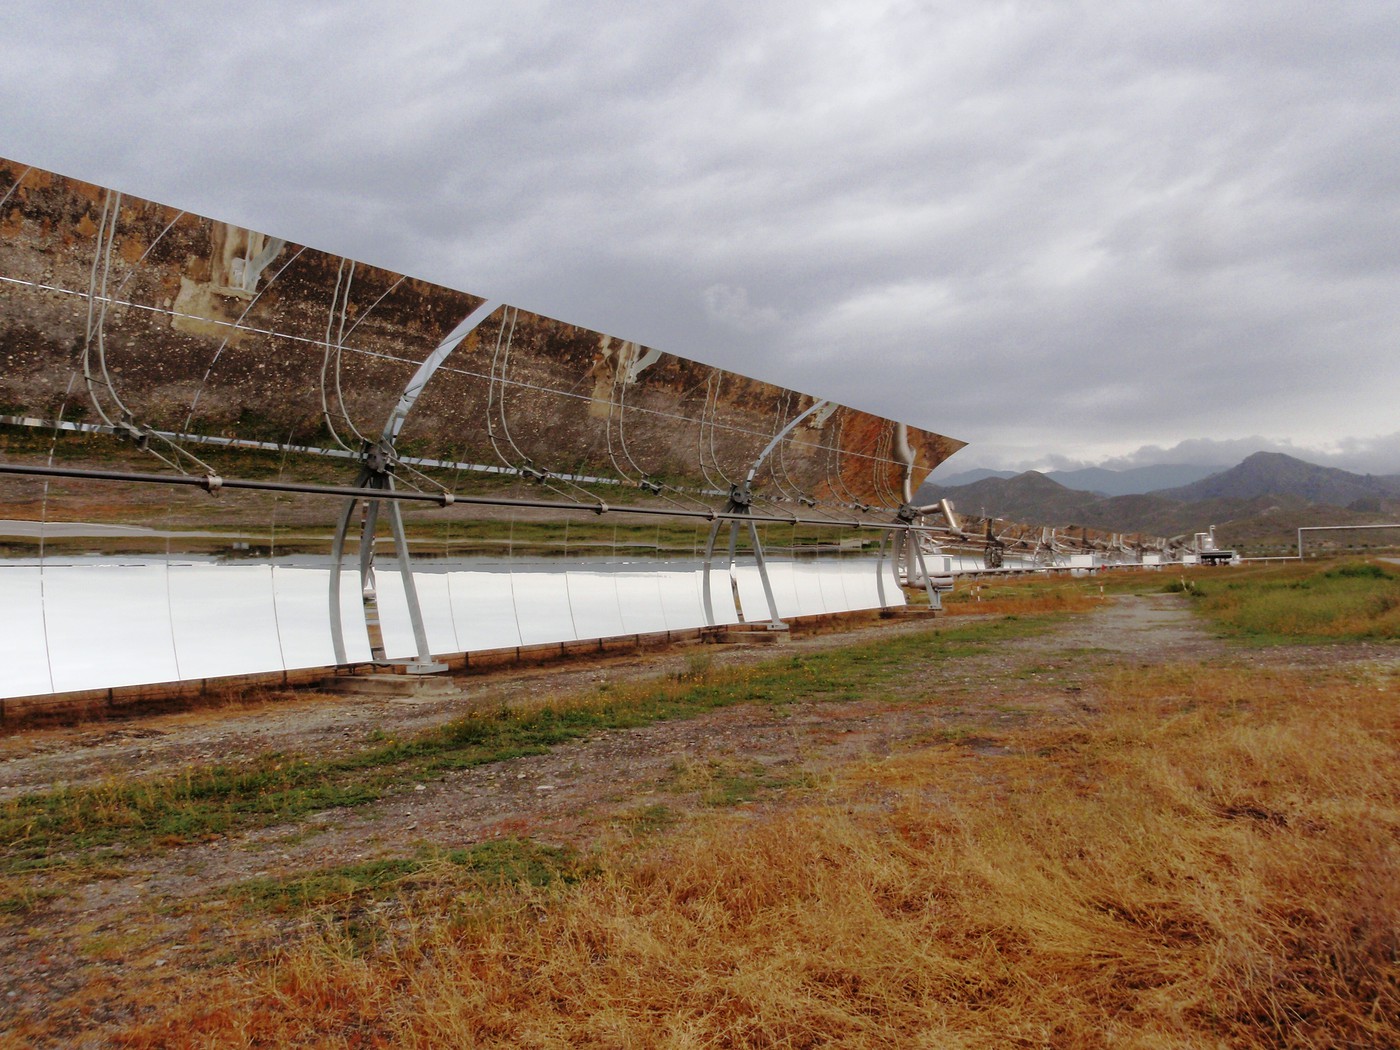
1022	597
1211	860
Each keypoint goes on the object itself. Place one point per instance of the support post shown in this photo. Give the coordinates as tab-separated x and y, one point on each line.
740	499
342	530
424	663
775	622
907	553
377	473
732	572
880	568
935	601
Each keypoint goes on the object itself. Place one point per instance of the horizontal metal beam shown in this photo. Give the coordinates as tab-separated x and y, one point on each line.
1335	528
213	484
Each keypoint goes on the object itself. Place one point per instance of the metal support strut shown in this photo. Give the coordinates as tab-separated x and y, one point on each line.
735	510
377	473
739	507
903	541
907	543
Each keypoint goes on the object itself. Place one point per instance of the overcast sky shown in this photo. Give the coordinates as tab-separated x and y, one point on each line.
1066	233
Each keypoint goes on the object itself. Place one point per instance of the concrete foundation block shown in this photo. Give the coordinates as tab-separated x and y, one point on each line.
752	634
387	684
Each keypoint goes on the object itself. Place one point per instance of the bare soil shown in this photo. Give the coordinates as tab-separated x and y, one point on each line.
76	965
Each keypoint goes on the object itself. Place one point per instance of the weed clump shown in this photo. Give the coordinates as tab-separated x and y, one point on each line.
1359	570
1352	601
1182	585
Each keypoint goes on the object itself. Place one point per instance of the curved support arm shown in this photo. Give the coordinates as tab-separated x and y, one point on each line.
815	407
430	365
904	456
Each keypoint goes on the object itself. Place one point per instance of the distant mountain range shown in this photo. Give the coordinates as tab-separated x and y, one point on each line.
1103	481
1256	505
1273	473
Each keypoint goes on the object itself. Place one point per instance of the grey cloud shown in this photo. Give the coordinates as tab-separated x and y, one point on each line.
1064	230
1378	455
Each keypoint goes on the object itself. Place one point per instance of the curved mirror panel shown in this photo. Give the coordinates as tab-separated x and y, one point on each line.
223	453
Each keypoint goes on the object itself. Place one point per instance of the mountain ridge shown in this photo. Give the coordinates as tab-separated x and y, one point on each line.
1106	482
1258	503
1266	473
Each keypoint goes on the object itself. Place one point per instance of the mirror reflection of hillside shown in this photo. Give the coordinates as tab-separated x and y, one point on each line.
157	366
174	335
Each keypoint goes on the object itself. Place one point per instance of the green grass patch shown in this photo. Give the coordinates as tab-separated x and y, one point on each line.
1349	601
722	783
210	801
23	899
511	861
648	820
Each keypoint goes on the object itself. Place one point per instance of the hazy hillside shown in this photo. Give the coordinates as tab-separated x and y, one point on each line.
1256	506
1029	497
1273	473
1099	479
1134	481
967	477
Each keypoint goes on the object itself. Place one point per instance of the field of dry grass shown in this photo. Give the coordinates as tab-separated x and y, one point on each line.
1204	854
1210	861
1080	841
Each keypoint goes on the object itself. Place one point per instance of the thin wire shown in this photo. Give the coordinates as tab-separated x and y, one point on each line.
499	366
495	402
883	492
102	255
780	458
500	401
620	384
838	479
110	300
339	350
272	561
778	466
91	307
43	520
325	365
447	577
340	347
491	398
621	388
8	193
510	578
703	422
340	305
503	354
780	416
339	354
613	407
707	416
568	591
383	295
111	237
169	602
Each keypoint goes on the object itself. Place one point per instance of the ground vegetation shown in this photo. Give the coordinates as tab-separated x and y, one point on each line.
1113	811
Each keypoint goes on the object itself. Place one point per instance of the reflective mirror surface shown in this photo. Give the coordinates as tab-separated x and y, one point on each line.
142	346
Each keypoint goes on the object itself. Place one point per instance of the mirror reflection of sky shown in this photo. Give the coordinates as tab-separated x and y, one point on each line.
85	622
